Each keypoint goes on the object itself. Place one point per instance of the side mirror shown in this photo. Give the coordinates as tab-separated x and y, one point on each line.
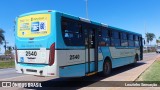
144	42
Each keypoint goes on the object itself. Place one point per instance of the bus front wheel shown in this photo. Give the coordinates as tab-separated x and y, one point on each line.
135	60
106	68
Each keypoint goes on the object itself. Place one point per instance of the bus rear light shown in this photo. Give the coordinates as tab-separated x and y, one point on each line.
52	54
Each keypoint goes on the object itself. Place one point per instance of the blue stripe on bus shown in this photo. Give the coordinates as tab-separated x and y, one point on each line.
78	69
117	62
74	70
32	65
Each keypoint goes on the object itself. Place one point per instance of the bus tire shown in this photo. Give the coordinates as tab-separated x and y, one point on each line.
135	60
106	68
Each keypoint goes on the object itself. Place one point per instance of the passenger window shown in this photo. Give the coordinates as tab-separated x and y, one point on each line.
130	37
124	36
136	41
104	39
72	33
130	40
115	38
124	41
131	43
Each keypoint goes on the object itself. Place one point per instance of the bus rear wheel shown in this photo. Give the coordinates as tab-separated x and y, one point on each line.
106	68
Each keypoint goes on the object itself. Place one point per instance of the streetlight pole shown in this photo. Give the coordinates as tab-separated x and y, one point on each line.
87	9
145	32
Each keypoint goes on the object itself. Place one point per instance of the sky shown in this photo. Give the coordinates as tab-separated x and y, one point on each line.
139	16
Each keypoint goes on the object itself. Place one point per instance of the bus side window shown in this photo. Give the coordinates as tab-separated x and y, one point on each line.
72	32
115	38
124	41
136	41
103	37
67	35
130	40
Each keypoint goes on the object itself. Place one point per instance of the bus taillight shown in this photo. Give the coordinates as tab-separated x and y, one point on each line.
16	54
52	54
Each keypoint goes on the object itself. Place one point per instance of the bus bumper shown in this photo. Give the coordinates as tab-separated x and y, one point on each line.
39	70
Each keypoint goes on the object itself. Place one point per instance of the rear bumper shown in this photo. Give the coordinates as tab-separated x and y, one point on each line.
36	69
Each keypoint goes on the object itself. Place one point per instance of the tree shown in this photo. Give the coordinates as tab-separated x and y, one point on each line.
150	37
9	50
158	41
2	38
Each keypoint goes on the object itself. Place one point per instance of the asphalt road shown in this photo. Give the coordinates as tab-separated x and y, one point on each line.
8	73
125	73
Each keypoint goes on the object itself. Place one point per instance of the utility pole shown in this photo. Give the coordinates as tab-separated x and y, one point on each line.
145	32
87	9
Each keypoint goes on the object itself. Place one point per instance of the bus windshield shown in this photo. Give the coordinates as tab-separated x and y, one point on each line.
34	25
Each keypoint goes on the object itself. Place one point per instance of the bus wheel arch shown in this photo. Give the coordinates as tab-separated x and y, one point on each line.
107	66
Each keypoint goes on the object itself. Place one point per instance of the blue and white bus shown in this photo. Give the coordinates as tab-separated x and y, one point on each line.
51	43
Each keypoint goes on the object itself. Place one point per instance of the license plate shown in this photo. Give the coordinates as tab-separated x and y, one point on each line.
31	53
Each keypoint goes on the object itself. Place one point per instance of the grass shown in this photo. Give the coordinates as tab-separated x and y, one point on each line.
7	64
148	51
152	73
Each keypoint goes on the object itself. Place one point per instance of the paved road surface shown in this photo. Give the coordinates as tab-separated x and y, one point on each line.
125	73
8	73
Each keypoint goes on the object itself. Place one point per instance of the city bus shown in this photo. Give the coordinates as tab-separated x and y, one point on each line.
52	43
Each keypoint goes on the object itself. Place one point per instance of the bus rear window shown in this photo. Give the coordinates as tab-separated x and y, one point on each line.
34	25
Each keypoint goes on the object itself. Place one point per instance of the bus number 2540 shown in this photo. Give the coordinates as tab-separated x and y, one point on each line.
72	57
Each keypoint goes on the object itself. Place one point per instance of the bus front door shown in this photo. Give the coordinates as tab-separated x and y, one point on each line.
91	52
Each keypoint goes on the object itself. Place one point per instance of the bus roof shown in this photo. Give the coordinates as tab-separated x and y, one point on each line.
80	18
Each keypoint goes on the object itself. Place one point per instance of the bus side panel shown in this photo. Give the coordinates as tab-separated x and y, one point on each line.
72	71
122	56
117	62
70	66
